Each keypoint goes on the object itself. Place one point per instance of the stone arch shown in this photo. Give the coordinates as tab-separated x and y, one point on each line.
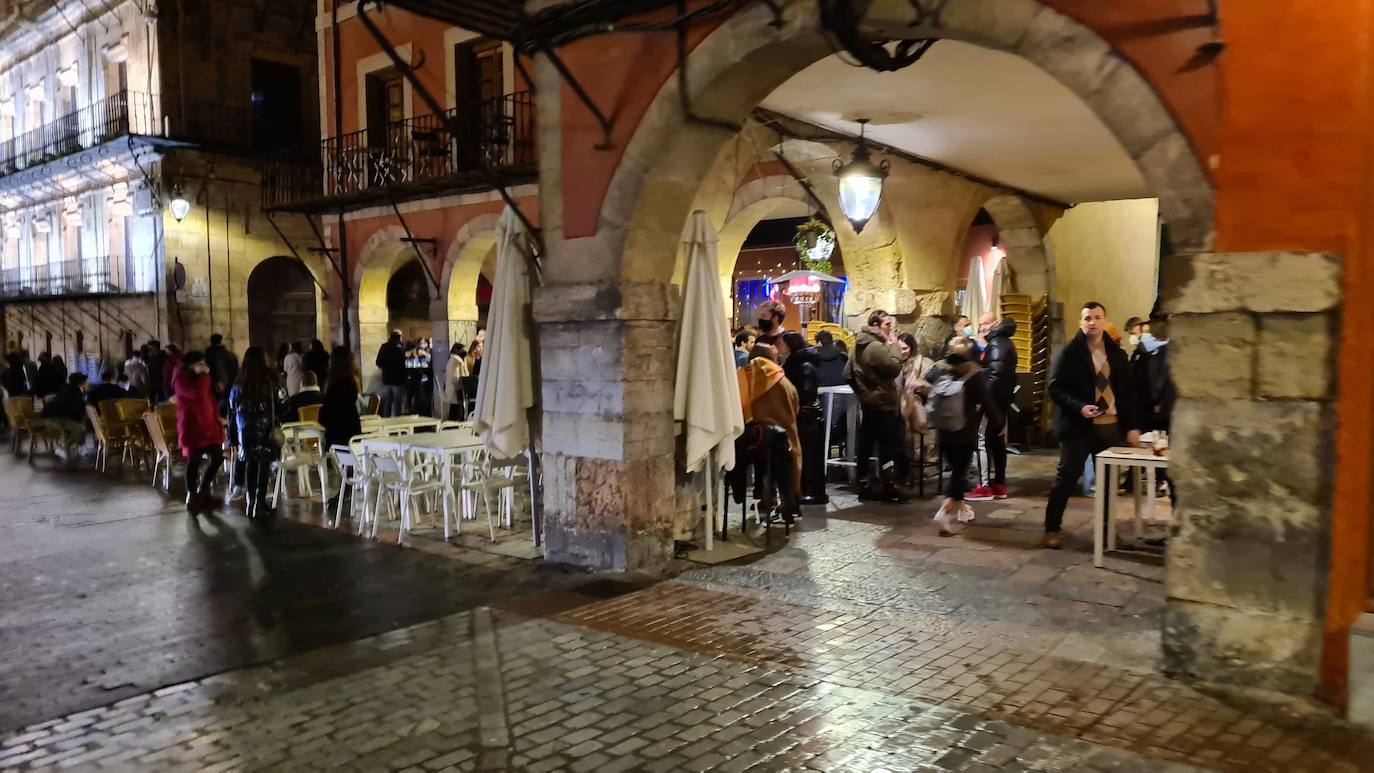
743	60
1022	235
380	257
467	254
754	202
317	278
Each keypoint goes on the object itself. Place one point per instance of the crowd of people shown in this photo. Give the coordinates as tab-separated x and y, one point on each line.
405	378
218	396
946	407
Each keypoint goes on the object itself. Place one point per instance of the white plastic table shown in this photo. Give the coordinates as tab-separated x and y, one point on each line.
1122	456
441	445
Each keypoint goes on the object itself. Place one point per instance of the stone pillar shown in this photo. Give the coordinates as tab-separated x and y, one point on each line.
1255	341
607	372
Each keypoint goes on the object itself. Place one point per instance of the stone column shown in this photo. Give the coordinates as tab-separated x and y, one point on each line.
1254	347
606	352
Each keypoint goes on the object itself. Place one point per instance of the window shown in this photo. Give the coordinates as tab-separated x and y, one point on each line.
479	71
276	105
385	105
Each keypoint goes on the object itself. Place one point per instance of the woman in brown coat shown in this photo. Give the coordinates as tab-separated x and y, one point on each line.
769	398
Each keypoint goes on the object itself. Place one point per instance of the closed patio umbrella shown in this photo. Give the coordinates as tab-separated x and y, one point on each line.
706	397
505	386
975	301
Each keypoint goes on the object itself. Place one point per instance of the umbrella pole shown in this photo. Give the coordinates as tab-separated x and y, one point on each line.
709	478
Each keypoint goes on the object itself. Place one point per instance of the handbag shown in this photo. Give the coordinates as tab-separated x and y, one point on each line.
276	437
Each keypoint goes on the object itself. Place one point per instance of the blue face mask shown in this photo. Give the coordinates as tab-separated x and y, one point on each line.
968	331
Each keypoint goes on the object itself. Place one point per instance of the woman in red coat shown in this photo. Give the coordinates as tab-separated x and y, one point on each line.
199	432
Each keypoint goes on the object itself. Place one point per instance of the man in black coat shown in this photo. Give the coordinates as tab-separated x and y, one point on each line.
1095	405
999	363
391	360
223	365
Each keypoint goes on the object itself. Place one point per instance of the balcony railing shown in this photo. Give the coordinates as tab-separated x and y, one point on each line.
414	156
103	275
126	113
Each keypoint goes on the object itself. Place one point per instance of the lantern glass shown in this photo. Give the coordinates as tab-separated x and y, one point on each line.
180	209
860	193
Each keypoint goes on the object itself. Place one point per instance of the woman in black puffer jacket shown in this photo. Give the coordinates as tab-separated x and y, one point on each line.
256	406
800	368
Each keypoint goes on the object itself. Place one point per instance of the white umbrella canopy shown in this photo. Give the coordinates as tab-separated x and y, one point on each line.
505	385
706	396
975	302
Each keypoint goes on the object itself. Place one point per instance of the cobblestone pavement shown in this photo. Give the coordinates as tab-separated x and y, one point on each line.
110	590
483	691
864	642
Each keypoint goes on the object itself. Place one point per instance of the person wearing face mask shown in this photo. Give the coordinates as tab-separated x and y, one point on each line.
771	316
963	328
1155	383
873	371
998	359
1134	327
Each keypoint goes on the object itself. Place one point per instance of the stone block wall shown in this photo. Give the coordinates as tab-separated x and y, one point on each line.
1254	345
606	352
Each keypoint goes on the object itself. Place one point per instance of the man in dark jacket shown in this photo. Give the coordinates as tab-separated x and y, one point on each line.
999	364
873	371
65	413
107	389
830	361
391	360
157	363
1095	404
223	365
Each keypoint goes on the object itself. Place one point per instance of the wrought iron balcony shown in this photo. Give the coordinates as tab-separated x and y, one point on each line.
409	159
102	275
128	113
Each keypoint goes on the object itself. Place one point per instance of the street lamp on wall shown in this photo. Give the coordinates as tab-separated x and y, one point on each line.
861	183
179	205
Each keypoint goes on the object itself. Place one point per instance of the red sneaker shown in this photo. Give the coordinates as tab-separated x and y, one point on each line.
999	491
980	494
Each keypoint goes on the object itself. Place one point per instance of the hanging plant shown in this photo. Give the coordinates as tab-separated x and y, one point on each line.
814	242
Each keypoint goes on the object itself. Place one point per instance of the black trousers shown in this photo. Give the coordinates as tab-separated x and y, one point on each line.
810	431
995	439
959	458
212	457
1073	454
885	429
256	477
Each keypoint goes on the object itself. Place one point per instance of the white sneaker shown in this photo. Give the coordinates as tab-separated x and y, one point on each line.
965	513
234	494
942	520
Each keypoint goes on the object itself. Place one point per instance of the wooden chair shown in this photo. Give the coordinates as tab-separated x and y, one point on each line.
102	439
309	413
22	416
374	405
165	455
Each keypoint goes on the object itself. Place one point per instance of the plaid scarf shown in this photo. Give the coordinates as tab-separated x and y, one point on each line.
1103	397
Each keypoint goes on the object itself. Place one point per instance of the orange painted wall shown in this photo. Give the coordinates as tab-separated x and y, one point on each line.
440	224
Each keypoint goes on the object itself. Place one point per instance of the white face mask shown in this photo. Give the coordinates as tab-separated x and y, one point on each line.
1135	340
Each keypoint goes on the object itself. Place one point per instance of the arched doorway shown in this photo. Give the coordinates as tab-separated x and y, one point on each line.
407	302
282	303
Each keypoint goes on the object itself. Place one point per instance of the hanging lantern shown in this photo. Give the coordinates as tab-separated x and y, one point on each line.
861	183
179	206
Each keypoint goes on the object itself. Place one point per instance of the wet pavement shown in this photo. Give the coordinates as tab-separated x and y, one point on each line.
138	638
110	589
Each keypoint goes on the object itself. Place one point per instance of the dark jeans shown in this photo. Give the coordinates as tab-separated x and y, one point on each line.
257	475
1073	454
995	439
885	428
959	458
212	457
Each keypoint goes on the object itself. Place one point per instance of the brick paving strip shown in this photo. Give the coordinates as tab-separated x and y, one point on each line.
574	699
925	658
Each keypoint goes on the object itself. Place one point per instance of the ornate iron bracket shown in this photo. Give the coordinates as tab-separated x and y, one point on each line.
324	291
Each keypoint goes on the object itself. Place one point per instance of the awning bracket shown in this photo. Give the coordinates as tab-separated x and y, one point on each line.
324	291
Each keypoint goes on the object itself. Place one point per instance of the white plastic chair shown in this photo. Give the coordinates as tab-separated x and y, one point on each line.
483	478
398	478
297	457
